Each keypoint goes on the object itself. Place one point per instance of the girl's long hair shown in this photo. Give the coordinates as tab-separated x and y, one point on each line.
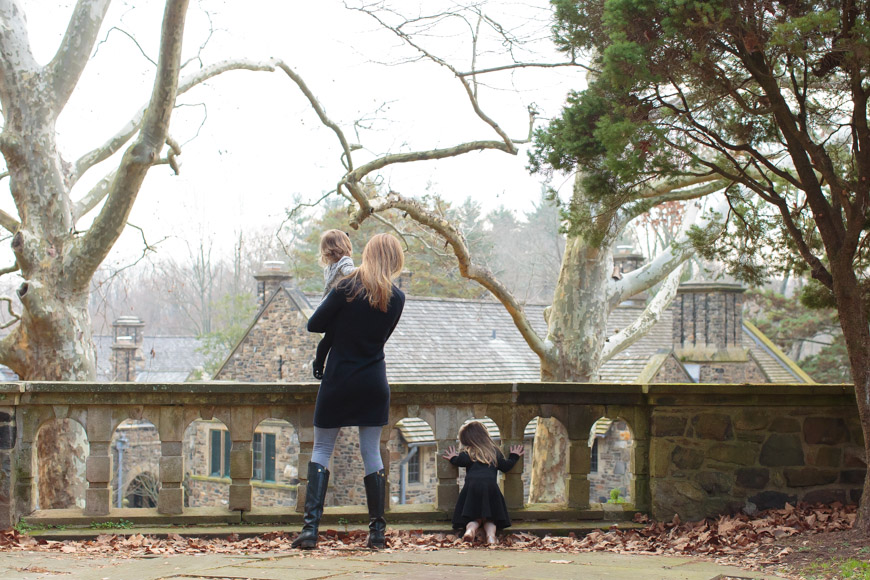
334	245
478	444
382	260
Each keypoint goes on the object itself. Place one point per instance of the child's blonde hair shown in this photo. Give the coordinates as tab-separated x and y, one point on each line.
478	444
382	260
334	245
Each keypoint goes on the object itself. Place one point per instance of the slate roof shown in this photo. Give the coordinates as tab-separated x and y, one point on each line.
462	340
168	359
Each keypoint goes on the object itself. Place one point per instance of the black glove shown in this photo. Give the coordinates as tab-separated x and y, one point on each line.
317	367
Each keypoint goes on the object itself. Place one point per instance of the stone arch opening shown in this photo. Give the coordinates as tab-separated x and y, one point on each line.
413	462
142	491
135	450
546	460
611	446
62	449
275	473
494	432
206	448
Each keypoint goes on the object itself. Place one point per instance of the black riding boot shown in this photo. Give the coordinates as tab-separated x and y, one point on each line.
318	478
376	491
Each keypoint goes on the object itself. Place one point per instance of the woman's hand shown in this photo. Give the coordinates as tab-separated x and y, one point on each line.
450	453
518	449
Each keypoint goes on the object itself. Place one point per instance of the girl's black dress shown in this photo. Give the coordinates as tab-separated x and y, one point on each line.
480	496
354	389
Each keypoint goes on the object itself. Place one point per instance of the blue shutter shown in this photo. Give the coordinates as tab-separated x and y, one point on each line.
269	458
215	444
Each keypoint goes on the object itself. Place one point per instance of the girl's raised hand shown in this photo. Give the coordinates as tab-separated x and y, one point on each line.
518	449
450	453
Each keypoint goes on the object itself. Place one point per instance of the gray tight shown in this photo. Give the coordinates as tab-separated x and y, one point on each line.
369	447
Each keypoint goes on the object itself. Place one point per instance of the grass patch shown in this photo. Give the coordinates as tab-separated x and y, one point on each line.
850	569
120	524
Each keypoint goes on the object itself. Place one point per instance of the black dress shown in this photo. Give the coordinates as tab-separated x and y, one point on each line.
354	389
480	496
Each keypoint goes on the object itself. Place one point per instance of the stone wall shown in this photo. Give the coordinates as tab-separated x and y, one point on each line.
278	347
698	450
705	461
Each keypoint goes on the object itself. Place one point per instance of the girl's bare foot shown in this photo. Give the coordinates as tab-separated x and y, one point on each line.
470	532
489	528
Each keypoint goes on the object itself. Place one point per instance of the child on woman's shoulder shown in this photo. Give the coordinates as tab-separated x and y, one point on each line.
335	256
481	502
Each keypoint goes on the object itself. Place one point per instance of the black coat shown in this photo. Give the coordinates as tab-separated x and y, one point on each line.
354	389
480	496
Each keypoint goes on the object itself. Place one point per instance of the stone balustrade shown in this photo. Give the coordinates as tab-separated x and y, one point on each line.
698	450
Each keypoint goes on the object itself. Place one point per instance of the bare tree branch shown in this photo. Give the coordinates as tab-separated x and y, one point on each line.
15	317
8	222
647	319
678	252
469	89
319	110
114	144
17	58
9	269
474	73
467	267
128	35
72	55
90	250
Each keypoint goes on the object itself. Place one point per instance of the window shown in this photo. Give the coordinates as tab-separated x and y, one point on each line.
220	445
593	463
414	468
264	456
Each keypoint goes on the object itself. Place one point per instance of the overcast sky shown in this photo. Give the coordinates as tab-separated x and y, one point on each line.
261	142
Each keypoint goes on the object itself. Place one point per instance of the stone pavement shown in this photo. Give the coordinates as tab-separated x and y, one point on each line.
423	565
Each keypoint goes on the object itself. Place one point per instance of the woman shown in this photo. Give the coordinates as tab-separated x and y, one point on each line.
358	315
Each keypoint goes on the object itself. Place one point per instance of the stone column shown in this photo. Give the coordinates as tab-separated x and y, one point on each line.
170	500
241	471
513	479
8	436
241	459
640	475
385	458
447	491
579	464
98	468
304	457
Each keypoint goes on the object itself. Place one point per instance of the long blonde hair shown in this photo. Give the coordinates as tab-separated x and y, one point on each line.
382	260
478	444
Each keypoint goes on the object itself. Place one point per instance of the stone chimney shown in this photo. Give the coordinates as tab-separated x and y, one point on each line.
273	276
708	321
625	259
126	357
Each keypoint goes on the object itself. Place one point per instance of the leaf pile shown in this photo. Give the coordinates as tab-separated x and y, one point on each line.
740	539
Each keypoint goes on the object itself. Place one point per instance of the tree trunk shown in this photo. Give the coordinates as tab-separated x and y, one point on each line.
577	320
577	323
853	320
55	343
